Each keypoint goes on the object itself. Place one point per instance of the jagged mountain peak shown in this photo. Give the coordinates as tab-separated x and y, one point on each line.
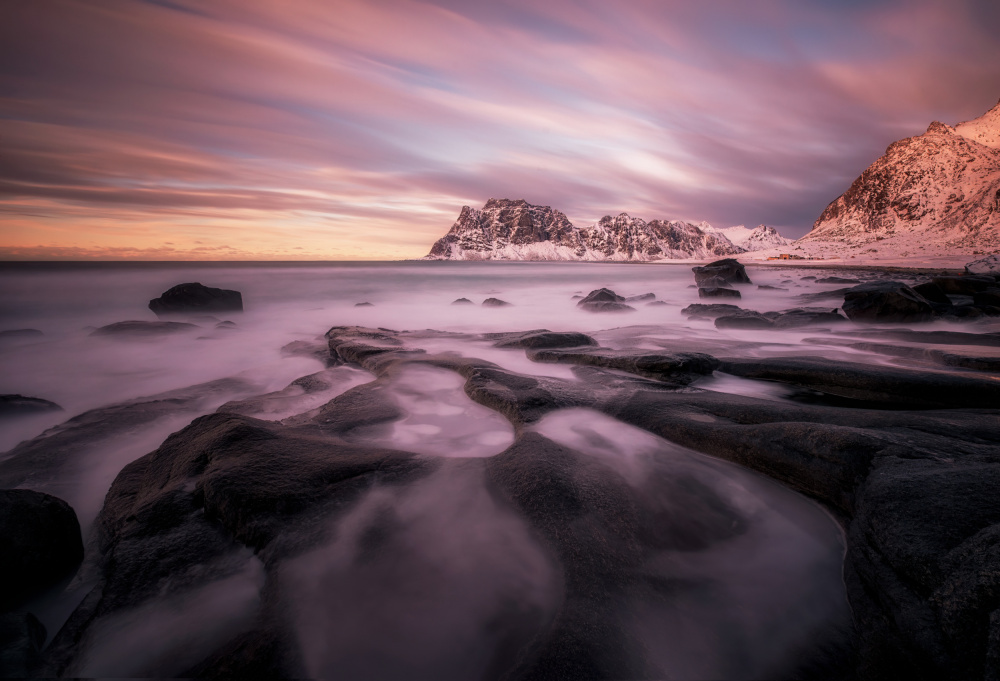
938	189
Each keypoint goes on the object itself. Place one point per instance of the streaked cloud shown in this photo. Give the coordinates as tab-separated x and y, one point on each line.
357	129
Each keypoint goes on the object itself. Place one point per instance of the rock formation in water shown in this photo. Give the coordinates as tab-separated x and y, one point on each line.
939	190
195	298
507	229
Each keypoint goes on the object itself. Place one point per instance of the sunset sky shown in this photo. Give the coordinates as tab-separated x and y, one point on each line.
343	129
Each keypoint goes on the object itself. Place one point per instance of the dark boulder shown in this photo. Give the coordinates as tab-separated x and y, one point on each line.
966	285
711	310
933	293
495	302
794	318
19	405
744	320
718	293
640	298
194	297
886	301
143	329
364	304
604	300
40	544
988	297
729	269
714	282
541	339
21	639
462	301
768	287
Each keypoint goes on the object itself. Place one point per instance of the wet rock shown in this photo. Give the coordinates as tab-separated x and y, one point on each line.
933	337
658	303
933	293
886	301
822	296
799	317
890	386
960	312
728	269
712	310
809	278
768	287
714	282
194	297
744	320
990	265
640	298
312	349
140	329
718	293
680	368
605	306
966	285
40	544
21	333
495	302
990	296
462	301
540	339
602	295
21	639
19	405
365	304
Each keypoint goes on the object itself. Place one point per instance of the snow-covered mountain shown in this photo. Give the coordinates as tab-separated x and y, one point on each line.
507	229
756	239
939	191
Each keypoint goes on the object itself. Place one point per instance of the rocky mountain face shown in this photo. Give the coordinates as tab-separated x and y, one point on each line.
506	229
940	189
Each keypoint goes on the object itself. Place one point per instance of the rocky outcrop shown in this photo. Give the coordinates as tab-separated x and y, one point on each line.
604	300
886	301
19	405
940	188
729	270
142	329
194	298
40	544
506	229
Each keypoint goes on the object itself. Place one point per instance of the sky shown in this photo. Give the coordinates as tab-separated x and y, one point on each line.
357	129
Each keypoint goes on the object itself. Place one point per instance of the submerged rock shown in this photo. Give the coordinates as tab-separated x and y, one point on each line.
21	333
712	310
143	329
365	304
462	301
40	544
886	301
718	293
747	319
604	300
495	302
838	280
196	298
19	405
729	270
640	298
540	339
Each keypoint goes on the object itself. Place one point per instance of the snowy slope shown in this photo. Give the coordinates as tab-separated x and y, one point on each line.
756	239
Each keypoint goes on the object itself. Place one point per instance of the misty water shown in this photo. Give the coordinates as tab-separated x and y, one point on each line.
765	593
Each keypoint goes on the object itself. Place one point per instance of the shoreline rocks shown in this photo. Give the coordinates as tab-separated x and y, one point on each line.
193	298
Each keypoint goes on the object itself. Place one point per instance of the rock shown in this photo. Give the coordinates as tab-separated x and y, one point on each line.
640	298
729	269
988	265
19	405
365	304
40	544
744	320
21	639
680	367
604	300
540	339
820	296
886	301
712	310
21	333
768	287
967	285
838	280
194	297
143	329
226	325
809	278
714	282
462	301
933	293
961	312
658	303
495	302
955	299
798	317
718	293
989	297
